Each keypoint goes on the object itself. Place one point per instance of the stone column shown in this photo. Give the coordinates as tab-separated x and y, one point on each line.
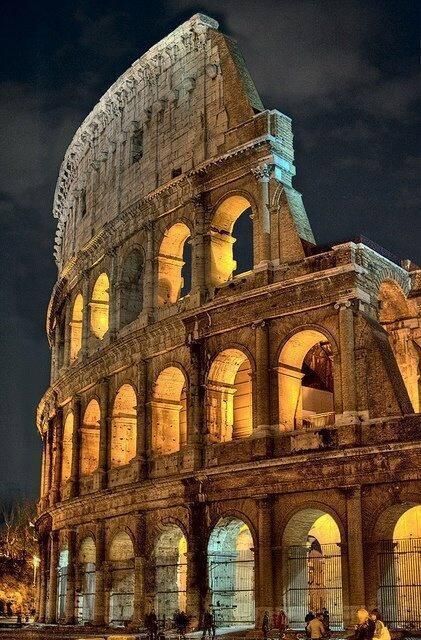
261	393
141	444
198	248
347	355
196	399
43	572
50	458
58	440
99	610
67	328
265	565
74	475
52	586
69	616
139	571
102	471
112	309
262	175
197	570
85	315
148	283
356	587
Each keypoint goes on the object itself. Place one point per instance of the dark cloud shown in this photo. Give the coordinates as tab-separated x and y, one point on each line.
345	71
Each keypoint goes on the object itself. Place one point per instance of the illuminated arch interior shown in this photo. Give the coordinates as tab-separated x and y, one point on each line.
76	328
63	562
67	448
394	309
89	443
170	572
225	223
131	287
121	556
306	381
169	412
231	572
174	264
123	427
312	566
399	593
100	306
85	598
229	397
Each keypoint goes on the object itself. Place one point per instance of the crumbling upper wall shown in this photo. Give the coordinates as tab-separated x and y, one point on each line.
165	116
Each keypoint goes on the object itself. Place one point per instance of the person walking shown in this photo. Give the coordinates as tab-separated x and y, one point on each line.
381	632
280	622
316	627
309	617
265	625
366	627
208	624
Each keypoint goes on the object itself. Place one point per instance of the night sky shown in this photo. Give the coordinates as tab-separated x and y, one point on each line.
345	71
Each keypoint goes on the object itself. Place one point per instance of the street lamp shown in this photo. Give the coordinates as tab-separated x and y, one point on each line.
36	562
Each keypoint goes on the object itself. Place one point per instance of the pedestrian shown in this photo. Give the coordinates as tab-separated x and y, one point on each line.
309	617
316	627
366	627
208	624
381	632
181	623
281	623
326	619
265	625
151	624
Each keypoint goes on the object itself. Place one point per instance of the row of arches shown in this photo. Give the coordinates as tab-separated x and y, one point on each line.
314	568
306	399
123	435
231	252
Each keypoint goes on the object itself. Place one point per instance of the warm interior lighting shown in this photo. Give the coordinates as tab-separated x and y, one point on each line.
306	381
76	328
171	572
223	264
123	427
229	397
89	446
169	418
99	306
171	263
67	448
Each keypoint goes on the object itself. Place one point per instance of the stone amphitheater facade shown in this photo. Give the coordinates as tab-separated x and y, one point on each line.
226	412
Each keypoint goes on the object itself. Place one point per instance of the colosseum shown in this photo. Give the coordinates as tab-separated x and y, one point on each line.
233	415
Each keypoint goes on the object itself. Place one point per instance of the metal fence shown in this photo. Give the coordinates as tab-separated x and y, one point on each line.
314	583
231	581
85	599
399	595
170	588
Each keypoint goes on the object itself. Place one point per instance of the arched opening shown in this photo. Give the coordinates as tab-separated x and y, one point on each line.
399	556
170	572
123	427
231	573
306	392
85	593
313	567
60	341
131	287
231	239
174	265
121	557
67	448
100	306
76	328
62	568
229	397
89	442
394	310
169	412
